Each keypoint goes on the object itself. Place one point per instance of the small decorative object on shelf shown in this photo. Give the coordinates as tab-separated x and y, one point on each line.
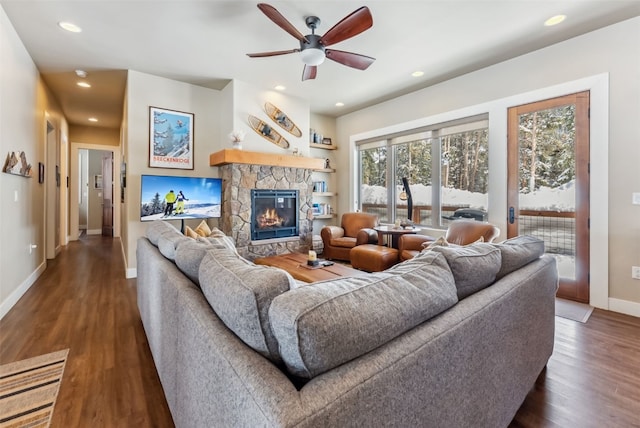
327	164
327	141
236	138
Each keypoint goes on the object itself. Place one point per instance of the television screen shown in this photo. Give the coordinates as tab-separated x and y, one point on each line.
173	198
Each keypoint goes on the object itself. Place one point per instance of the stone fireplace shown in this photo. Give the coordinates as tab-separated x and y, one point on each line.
243	172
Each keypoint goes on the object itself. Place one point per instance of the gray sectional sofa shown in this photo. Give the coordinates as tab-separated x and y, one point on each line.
455	337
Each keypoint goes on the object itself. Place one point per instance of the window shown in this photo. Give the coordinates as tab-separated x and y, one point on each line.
450	157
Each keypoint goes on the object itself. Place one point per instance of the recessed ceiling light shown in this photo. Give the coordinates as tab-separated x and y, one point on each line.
70	27
417	73
339	104
279	87
554	20
81	73
93	119
83	84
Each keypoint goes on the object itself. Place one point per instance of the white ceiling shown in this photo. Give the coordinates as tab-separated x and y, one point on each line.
205	42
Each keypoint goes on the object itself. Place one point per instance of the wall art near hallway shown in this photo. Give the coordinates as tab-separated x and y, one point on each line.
170	139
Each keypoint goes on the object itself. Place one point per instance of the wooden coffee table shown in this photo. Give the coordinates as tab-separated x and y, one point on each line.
296	265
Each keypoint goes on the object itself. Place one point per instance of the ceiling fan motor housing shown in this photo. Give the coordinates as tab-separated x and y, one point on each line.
312	53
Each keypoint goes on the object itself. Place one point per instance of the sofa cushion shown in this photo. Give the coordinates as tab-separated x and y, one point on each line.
325	324
240	293
474	266
168	242
189	254
157	228
517	252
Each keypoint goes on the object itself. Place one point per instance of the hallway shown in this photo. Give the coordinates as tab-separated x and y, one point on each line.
83	302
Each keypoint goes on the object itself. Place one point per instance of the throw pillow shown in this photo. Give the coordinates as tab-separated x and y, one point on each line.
440	242
190	232
240	293
474	266
517	252
221	241
325	324
203	229
216	233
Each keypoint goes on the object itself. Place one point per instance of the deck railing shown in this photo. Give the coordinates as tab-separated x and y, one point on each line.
555	228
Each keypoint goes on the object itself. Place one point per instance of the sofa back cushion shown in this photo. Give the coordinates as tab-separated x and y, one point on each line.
157	228
517	252
325	324
190	252
474	266
168	242
240	293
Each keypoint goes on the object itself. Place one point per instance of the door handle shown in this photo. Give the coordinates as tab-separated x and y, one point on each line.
512	215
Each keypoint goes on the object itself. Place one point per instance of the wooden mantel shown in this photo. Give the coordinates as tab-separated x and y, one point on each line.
229	156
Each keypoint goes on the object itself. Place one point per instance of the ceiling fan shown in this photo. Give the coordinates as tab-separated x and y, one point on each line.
313	48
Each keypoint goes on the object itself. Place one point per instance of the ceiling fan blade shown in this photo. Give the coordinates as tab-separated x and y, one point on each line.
309	72
350	59
281	21
350	26
273	53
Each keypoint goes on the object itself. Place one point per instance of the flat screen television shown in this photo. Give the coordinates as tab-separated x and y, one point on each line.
177	198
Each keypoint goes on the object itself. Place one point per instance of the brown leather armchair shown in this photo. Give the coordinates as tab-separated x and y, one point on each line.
460	232
355	229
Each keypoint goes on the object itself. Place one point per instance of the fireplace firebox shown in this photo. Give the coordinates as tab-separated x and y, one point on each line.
274	214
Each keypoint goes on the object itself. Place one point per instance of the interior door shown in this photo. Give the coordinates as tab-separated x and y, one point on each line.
107	194
548	184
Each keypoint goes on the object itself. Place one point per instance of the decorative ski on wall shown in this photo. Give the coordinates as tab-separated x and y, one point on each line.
268	132
279	117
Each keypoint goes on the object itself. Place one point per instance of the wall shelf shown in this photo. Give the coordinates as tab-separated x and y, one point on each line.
323	146
324	217
230	156
329	170
324	194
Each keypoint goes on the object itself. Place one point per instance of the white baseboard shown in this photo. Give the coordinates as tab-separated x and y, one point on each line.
128	272
13	298
624	307
94	232
131	273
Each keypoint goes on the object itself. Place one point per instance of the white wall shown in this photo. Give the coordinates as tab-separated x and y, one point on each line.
613	52
250	100
24	102
143	91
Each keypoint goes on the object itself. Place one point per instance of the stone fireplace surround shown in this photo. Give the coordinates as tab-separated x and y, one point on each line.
242	171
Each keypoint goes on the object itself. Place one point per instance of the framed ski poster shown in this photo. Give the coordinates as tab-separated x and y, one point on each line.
170	139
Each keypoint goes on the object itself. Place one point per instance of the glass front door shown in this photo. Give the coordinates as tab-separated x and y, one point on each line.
548	184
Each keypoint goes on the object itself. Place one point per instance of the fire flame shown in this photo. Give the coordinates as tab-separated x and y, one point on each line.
270	218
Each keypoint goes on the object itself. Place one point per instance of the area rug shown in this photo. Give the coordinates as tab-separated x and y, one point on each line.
573	310
28	390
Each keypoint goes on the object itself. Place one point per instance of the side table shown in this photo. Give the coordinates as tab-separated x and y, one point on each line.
392	234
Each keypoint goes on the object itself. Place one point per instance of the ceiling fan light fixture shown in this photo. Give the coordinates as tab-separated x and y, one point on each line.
312	56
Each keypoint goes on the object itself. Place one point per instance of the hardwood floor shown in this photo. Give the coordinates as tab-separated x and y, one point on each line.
84	303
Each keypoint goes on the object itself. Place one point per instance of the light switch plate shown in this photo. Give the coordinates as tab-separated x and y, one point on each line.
635	198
